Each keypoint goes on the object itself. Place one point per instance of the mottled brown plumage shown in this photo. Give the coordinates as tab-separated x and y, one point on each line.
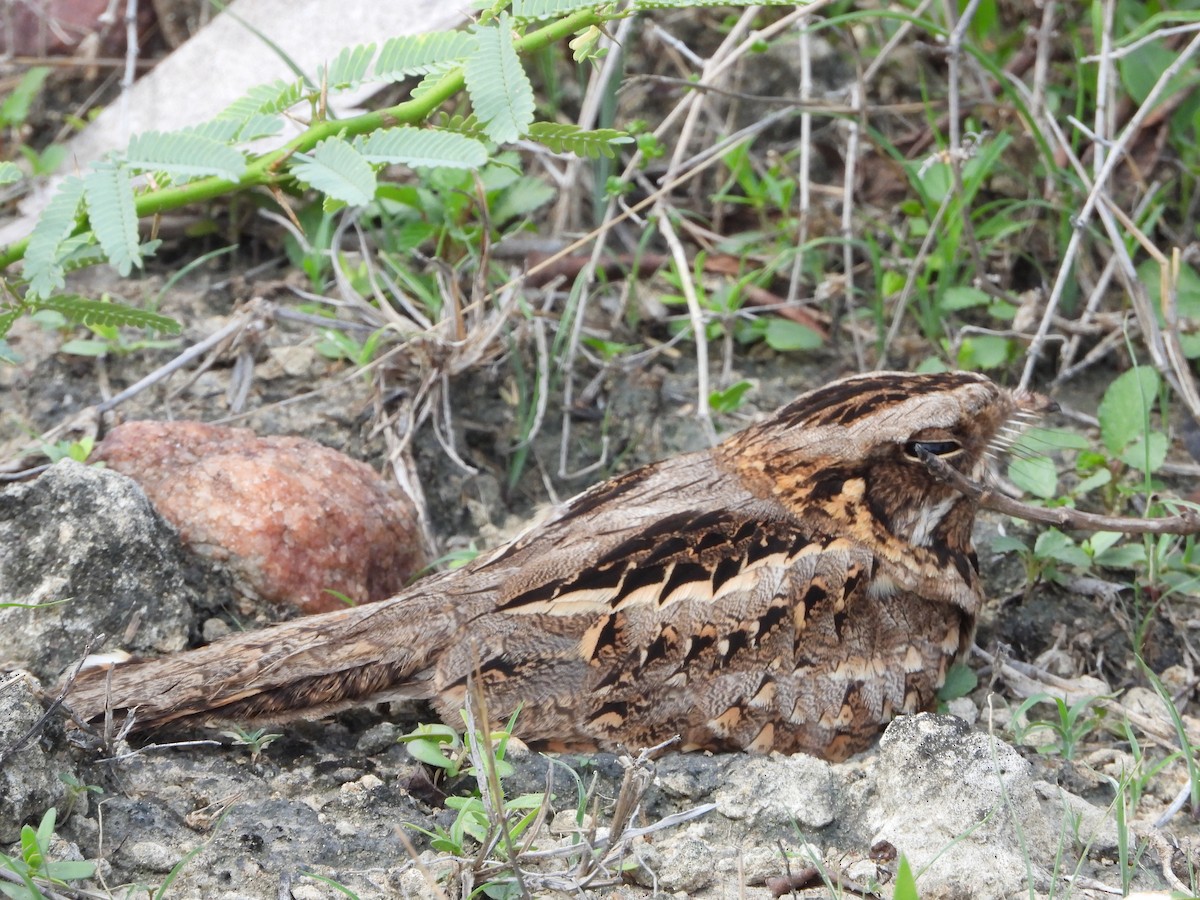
791	589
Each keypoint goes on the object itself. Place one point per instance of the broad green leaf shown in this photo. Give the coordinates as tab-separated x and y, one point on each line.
1125	409
1006	543
337	169
1187	301
1053	544
185	155
417	147
1126	556
10	172
1143	67
70	869
729	399
985	351
963	297
15	108
108	192
960	681
784	334
1036	475
1041	439
521	198
500	92
1147	453
1099	478
43	268
1101	541
905	887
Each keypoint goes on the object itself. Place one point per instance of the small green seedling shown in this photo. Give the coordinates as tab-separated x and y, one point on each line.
34	864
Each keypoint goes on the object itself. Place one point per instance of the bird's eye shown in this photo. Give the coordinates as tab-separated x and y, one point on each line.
937	448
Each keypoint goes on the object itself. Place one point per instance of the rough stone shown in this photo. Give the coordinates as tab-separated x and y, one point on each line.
675	864
28	782
962	807
291	518
781	792
87	542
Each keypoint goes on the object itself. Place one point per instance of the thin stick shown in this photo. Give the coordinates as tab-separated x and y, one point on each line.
1188	522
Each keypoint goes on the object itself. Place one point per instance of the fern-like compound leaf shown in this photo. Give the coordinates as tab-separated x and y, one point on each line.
108	192
568	138
185	154
104	312
337	169
420	54
348	68
500	92
415	147
43	268
548	9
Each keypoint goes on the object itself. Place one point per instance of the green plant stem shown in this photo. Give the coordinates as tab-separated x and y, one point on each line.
261	170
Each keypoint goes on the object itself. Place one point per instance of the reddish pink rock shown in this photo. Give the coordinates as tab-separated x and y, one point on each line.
289	517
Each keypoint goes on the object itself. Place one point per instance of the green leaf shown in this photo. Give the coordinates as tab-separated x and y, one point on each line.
1142	68
1099	478
108	192
567	138
274	97
416	147
337	169
1146	454
106	313
1053	544
731	398
784	335
1006	543
185	154
1036	475
42	266
1101	541
348	68
1036	439
960	681
963	297
521	198
420	54
10	172
1126	556
1125	409
1187	300
985	351
686	4
905	886
500	92
70	869
15	108
548	9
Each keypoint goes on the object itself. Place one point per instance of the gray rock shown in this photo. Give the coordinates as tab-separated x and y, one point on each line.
28	783
89	537
675	864
781	792
961	806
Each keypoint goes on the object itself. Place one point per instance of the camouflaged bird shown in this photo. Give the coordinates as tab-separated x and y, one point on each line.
791	589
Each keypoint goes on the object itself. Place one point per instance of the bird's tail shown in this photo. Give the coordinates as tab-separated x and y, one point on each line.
299	669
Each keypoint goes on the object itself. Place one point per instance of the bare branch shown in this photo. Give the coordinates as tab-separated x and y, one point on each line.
1187	522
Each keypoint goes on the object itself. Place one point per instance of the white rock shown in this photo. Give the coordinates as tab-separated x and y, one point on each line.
961	806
